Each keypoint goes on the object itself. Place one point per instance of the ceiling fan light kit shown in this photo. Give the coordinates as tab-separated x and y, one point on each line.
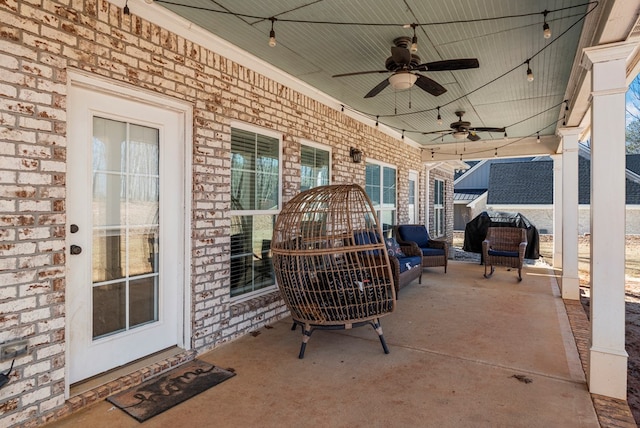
401	81
460	135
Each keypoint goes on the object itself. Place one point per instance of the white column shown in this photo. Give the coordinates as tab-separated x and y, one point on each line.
557	211
607	355
570	278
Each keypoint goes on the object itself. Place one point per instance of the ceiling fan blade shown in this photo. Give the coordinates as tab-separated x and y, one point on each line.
449	65
375	91
430	85
442	132
473	136
401	56
356	73
480	129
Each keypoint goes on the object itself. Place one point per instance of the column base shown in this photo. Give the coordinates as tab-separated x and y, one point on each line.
608	373
570	288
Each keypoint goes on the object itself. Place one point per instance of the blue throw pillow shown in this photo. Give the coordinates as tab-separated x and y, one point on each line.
393	248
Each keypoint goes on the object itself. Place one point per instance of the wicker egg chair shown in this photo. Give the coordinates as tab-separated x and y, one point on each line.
330	262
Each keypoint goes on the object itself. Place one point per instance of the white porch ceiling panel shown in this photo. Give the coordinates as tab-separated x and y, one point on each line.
501	34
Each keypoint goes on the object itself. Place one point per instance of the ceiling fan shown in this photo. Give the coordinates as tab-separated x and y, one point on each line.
462	129
403	64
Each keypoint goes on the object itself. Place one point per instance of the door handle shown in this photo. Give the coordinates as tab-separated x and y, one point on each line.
76	249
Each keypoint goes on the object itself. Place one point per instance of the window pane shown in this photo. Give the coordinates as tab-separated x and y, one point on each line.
251	267
372	184
389	183
314	167
412	192
387	221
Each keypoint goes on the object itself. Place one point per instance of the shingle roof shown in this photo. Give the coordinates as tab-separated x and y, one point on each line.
532	182
521	183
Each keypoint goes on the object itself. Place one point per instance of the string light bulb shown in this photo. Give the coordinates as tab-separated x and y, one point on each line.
495	155
377	117
538	138
546	31
529	72
126	10
272	33
414	40
439	119
403	134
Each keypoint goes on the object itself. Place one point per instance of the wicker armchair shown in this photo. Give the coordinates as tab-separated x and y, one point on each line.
504	246
434	253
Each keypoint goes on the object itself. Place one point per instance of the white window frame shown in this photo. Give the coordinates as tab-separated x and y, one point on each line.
438	208
272	134
415	178
381	208
318	146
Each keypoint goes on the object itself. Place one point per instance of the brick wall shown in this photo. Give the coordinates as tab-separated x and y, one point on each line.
39	42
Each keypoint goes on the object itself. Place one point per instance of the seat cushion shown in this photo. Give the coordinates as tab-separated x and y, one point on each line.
432	251
503	253
393	248
410	262
416	233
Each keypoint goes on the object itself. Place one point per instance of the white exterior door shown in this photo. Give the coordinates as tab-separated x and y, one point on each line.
125	176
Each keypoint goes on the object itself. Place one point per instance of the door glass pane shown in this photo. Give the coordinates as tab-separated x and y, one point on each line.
109	309
108	254
126	225
108	202
142	305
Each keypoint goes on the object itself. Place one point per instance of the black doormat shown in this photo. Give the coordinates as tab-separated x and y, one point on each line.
173	387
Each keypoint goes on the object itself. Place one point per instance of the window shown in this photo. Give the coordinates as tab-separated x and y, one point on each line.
314	167
438	208
255	190
381	189
413	197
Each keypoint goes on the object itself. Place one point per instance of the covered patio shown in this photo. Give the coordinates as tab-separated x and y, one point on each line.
465	351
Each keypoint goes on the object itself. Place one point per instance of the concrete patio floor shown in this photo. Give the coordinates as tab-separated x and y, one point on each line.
465	351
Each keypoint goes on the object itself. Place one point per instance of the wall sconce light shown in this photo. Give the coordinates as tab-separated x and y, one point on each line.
356	155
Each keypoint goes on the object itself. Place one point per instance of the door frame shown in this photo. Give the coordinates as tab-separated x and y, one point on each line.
78	78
